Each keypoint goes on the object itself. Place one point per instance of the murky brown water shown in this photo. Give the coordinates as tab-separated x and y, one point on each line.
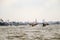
50	32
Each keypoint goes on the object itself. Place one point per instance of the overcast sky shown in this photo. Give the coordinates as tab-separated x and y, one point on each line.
28	10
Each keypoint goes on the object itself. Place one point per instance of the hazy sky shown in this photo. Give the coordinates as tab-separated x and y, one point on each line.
28	10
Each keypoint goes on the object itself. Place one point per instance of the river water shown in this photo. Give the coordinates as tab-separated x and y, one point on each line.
27	32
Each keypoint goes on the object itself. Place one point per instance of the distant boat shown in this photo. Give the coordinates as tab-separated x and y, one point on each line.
33	23
45	23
